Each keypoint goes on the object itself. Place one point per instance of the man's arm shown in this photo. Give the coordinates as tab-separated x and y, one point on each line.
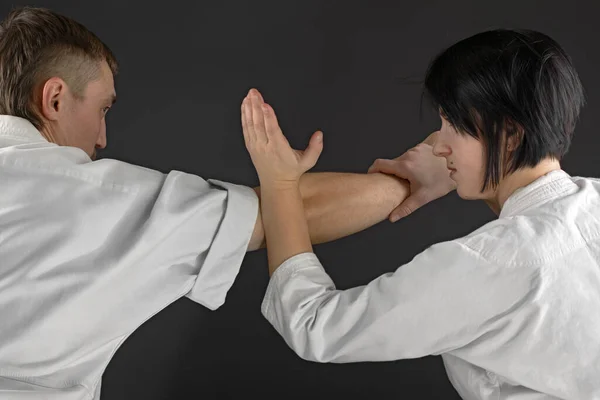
341	204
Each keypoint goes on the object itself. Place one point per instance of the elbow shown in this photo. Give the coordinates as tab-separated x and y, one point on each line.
305	316
310	342
311	350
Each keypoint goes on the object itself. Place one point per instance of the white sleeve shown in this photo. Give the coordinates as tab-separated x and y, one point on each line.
445	298
97	249
187	232
229	245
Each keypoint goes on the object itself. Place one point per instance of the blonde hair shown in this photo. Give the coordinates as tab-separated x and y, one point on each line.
37	44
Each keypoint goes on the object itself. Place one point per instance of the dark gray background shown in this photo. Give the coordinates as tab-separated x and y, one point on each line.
347	68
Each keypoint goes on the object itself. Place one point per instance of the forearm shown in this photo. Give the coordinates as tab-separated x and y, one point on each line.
284	223
340	204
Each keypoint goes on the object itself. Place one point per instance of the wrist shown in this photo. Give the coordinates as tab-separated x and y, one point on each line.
280	185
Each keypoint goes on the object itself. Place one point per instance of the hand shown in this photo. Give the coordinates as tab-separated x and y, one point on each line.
428	175
275	161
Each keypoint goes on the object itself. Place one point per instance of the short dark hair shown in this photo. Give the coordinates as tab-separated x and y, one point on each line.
501	83
37	44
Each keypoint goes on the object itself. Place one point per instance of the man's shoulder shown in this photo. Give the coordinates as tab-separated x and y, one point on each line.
52	163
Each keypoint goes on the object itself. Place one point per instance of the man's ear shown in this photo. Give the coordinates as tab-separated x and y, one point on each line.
53	95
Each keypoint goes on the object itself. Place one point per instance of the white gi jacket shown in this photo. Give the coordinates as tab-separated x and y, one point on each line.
91	250
513	308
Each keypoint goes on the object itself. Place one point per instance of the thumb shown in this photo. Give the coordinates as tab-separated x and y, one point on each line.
407	207
430	140
313	151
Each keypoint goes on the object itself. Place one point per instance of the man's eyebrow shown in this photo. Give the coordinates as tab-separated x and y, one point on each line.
112	99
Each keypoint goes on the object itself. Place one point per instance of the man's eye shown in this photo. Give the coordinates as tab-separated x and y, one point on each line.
105	109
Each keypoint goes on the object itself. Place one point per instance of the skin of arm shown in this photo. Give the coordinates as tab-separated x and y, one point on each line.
284	204
286	227
338	204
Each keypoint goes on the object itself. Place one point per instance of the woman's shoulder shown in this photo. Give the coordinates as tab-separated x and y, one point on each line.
521	240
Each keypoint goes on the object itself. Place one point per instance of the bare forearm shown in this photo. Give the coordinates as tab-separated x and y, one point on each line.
285	224
340	204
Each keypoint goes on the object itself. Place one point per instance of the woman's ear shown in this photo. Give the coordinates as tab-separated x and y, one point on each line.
513	137
514	133
513	143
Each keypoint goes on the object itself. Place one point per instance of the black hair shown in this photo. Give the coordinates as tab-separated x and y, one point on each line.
503	84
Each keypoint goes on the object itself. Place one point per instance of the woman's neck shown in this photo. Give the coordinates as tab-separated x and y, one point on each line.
517	180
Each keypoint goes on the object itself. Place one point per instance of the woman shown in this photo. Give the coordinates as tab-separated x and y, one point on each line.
513	306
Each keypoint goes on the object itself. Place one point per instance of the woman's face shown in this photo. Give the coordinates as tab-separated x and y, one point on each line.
465	156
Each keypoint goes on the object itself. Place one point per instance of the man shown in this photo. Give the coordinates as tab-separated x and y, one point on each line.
91	249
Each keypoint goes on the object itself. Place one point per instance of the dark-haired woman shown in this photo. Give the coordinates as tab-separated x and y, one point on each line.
513	308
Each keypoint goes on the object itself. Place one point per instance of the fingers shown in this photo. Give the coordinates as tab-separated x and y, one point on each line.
274	133
393	167
258	120
245	128
313	151
381	165
271	152
407	207
271	123
259	95
247	106
431	139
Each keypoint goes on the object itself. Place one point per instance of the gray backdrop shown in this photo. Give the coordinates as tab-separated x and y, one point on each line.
351	69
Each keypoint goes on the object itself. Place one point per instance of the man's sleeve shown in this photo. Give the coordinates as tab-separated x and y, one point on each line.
96	250
170	235
186	233
230	241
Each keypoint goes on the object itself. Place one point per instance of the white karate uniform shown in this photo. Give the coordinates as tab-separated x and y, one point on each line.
91	250
513	308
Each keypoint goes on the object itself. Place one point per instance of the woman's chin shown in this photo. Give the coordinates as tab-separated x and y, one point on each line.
466	194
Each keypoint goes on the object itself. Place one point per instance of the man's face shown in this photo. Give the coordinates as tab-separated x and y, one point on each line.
82	123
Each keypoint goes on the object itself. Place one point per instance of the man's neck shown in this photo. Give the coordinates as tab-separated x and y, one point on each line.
517	180
49	135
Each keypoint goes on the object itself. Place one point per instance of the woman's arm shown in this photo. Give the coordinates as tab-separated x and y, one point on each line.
279	169
285	224
445	298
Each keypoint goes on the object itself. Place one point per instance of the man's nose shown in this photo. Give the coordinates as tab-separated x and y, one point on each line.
101	142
